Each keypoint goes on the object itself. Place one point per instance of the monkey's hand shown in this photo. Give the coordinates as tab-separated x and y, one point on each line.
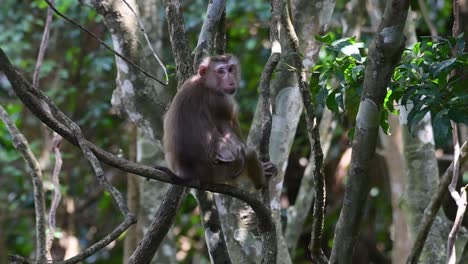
269	169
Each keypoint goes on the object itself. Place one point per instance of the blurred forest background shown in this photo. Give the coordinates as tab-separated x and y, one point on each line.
80	77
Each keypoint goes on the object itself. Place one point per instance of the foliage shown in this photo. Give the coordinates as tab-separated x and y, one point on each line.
422	82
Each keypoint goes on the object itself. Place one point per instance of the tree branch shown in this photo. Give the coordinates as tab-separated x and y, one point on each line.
207	34
433	207
101	42
315	245
46	111
22	145
156	232
384	53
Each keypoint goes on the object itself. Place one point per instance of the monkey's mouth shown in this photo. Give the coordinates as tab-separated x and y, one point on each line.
230	90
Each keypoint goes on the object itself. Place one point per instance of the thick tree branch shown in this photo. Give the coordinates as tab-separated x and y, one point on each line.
43	108
265	80
384	53
163	220
179	42
207	34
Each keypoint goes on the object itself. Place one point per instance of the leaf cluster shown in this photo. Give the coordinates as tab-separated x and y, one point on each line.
430	78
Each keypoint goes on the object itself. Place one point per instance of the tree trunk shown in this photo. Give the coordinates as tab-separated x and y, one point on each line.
237	219
384	53
392	152
141	99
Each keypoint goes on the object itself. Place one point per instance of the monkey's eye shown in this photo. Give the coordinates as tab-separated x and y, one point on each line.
221	71
231	69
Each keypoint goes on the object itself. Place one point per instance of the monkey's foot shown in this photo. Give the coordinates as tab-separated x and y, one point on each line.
270	169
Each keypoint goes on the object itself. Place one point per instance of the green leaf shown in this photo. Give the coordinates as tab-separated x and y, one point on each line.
443	65
459	115
460	44
331	102
408	94
417	48
414	117
441	126
358	71
384	122
327	38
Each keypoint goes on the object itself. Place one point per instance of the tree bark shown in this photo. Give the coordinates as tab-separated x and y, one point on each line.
384	53
142	100
239	222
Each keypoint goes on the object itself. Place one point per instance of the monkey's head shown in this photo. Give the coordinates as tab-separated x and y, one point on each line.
220	73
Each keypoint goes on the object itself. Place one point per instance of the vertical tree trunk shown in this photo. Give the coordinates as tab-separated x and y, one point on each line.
142	99
392	152
384	53
421	181
238	220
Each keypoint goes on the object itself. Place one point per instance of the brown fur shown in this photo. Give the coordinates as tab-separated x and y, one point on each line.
202	140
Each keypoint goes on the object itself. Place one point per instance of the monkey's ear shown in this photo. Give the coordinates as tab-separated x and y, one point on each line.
202	69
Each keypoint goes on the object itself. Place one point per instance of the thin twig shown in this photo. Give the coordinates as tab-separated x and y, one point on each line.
148	41
101	42
57	194
43	46
460	199
22	145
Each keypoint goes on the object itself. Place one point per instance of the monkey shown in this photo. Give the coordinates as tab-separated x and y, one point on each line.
202	139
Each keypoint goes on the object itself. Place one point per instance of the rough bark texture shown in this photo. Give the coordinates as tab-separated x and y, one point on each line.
305	24
384	52
141	99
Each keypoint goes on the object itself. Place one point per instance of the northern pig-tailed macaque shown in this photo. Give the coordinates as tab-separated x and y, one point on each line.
202	138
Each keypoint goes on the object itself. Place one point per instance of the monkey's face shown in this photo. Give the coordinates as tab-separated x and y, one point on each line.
220	75
226	77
